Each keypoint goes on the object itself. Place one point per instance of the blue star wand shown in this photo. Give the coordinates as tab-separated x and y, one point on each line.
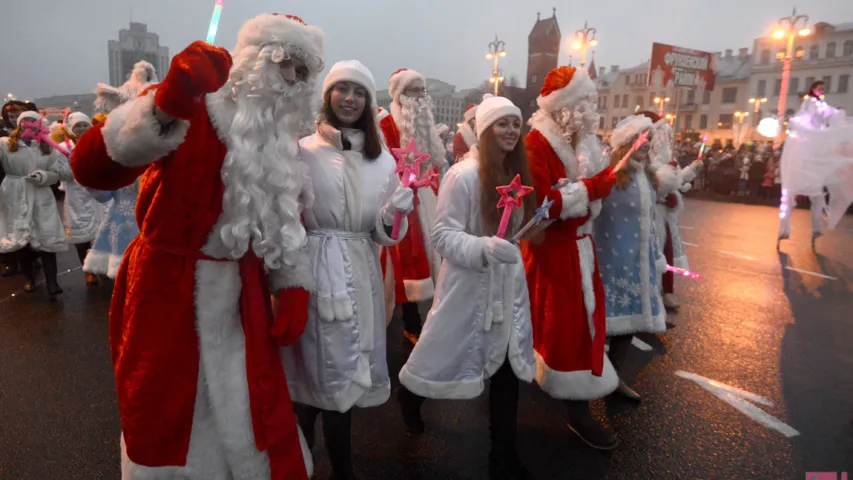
540	215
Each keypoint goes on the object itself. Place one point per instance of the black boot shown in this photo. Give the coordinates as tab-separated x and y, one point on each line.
619	347
337	431
411	324
48	261
585	426
410	406
23	258
306	416
504	463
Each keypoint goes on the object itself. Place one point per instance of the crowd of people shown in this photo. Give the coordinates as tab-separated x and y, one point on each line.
260	248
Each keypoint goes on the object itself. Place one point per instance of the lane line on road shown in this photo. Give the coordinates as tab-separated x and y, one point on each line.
737	398
687	228
37	284
738	255
689	244
641	344
806	272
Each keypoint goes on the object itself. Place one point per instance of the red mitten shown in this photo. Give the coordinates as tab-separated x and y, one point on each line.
671	201
198	70
600	185
291	315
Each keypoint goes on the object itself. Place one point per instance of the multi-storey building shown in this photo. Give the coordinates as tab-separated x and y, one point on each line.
132	46
448	104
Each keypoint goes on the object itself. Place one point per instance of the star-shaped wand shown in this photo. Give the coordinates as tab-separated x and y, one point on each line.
409	173
511	196
42	136
641	139
541	214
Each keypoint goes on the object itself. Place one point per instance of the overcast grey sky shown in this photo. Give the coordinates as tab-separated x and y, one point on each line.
51	47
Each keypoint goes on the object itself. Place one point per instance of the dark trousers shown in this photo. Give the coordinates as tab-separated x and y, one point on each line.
27	256
619	347
82	250
337	434
411	318
503	408
668	279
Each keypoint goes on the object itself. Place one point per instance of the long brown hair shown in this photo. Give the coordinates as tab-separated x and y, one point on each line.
493	174
623	176
366	123
16	135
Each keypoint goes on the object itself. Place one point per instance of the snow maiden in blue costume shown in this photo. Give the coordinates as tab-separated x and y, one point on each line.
627	249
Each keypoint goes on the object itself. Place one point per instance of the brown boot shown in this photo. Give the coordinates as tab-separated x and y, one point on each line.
587	428
91	279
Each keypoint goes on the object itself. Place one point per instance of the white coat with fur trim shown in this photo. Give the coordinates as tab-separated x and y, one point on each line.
481	314
339	361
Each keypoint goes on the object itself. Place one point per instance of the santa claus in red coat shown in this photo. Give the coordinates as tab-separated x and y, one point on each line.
465	138
567	301
195	343
414	263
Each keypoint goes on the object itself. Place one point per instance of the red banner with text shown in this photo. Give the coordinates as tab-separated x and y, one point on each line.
673	66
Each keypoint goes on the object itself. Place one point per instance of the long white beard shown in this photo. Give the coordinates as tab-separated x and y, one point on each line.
417	122
264	178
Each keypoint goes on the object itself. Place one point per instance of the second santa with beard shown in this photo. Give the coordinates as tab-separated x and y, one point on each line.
414	262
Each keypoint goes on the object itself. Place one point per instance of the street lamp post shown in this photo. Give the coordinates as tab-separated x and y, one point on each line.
661	102
740	116
788	27
496	50
584	38
756	102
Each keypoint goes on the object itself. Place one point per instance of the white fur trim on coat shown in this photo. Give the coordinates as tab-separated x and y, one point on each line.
579	87
575	201
298	275
382	238
628	128
270	27
668	181
578	385
468	135
542	122
132	133
102	263
399	81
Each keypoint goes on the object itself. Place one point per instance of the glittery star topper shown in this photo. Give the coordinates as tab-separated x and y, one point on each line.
511	196
43	135
409	174
542	213
641	139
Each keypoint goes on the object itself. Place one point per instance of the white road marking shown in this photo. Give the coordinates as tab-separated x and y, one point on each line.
806	272
689	244
641	344
737	398
39	283
738	255
687	228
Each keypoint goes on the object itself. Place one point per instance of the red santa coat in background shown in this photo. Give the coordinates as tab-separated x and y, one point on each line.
199	378
563	279
414	262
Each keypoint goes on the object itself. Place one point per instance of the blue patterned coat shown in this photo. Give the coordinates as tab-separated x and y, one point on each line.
628	257
118	229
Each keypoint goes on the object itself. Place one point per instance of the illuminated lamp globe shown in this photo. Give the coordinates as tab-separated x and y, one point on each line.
769	127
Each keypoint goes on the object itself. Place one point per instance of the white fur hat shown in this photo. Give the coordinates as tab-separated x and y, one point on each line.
283	29
493	109
29	115
75	118
628	129
401	79
564	87
350	71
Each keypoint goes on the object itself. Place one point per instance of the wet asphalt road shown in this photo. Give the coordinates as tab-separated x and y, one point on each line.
749	323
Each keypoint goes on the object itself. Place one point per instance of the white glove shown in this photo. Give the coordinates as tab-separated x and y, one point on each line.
686	187
38	177
499	250
402	200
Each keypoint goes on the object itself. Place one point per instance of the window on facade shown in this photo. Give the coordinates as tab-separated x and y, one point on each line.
777	87
534	78
624	100
848	48
799	53
691	96
603	103
827	80
730	95
703	122
794	87
765	57
613	122
761	88
601	123
706	97
843	83
814	52
725	120
652	97
688	122
830	50
639	101
809	82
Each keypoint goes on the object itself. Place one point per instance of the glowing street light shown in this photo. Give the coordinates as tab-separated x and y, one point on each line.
584	38
661	102
496	51
756	102
788	27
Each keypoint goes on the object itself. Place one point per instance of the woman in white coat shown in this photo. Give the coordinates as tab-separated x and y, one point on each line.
339	361
81	213
30	224
479	324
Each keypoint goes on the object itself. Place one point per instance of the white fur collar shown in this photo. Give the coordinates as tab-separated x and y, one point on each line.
468	135
221	109
544	124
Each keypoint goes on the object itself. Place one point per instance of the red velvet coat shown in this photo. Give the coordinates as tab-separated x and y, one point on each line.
409	259
571	361
171	301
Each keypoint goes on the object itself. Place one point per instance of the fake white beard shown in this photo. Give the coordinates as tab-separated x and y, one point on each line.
580	117
417	122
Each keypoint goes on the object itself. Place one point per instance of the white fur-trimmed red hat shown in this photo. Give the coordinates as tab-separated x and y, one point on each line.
400	80
564	86
493	109
471	112
628	128
283	29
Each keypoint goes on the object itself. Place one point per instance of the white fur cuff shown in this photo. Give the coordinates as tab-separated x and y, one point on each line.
381	237
575	201
298	275
132	134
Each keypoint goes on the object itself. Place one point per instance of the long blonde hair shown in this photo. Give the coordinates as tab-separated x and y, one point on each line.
623	176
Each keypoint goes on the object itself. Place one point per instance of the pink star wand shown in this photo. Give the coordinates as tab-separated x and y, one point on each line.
643	138
42	136
683	272
511	196
409	173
